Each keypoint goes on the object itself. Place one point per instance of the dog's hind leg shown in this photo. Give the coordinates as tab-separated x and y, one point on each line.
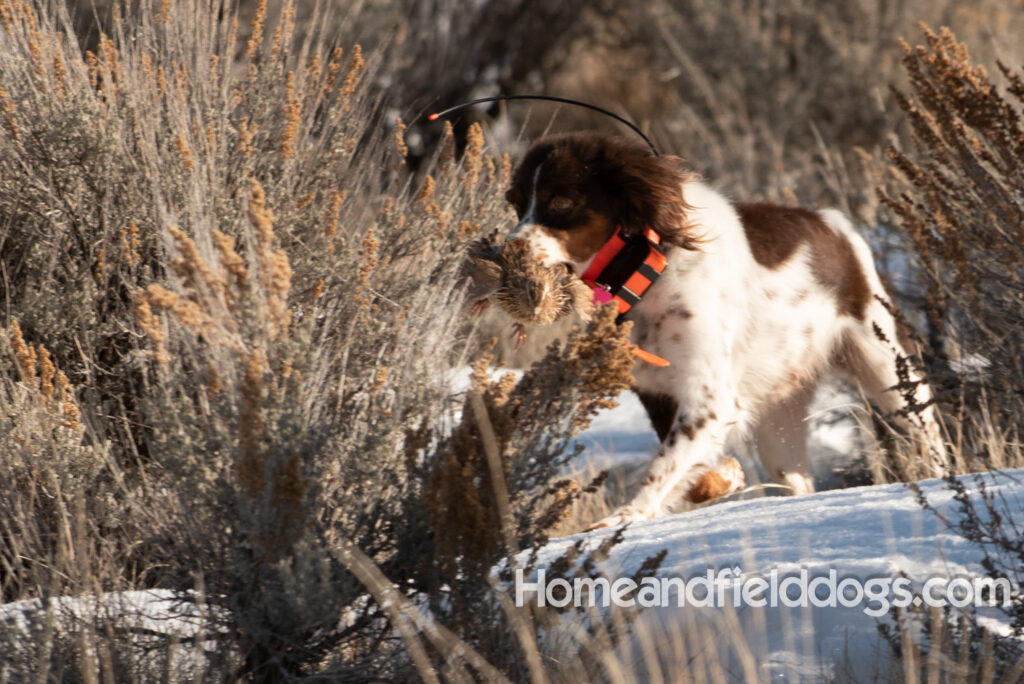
871	351
781	437
875	364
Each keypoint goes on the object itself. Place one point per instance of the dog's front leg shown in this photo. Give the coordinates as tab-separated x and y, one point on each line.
693	445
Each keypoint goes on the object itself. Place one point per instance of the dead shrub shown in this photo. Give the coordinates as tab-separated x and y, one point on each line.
958	196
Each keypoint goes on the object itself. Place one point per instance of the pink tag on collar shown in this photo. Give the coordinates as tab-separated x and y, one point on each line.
601	294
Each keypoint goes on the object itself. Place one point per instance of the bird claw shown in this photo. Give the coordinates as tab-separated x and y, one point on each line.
519	335
479	306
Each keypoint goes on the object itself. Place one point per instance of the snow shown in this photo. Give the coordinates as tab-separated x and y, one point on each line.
618	437
158	611
146	618
862	533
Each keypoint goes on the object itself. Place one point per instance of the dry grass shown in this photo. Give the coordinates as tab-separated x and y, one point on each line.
225	259
957	197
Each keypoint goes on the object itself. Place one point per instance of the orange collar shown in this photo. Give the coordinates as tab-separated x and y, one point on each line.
622	271
610	250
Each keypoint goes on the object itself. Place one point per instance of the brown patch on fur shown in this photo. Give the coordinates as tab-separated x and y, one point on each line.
587	239
651	479
710	486
691	429
618	180
661	409
775	233
679	312
725	479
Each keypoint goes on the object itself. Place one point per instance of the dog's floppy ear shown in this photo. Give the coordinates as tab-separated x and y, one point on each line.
652	195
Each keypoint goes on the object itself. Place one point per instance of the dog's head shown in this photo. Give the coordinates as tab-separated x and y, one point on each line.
572	191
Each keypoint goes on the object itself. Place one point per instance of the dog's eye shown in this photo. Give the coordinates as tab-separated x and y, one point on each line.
560	205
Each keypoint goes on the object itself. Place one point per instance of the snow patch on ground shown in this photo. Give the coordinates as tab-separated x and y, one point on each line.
618	437
862	533
145	620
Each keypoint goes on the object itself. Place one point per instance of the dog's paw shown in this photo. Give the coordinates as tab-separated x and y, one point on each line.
720	481
622	516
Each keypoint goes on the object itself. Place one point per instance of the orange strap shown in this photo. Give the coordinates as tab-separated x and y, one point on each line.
647	356
604	257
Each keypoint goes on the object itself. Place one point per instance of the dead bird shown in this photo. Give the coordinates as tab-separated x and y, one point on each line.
522	287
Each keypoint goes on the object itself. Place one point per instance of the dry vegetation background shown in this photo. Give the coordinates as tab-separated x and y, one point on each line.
230	288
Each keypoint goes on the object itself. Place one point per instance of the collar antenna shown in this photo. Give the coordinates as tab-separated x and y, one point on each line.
563	100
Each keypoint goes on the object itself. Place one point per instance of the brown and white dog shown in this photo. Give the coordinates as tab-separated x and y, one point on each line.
756	304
